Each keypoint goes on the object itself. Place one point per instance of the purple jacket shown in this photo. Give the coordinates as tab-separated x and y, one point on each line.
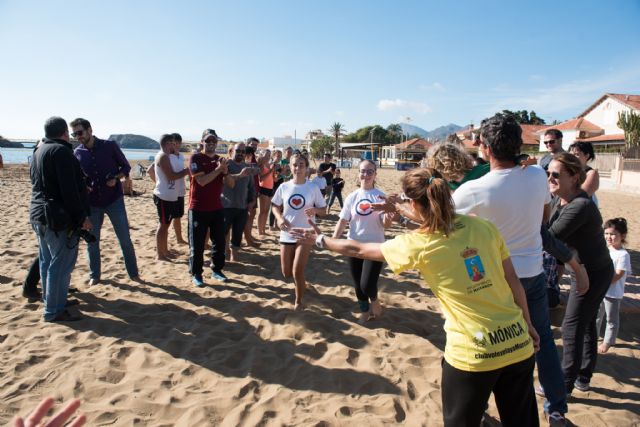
103	162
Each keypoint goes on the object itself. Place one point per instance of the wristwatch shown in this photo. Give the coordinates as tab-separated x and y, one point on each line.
320	241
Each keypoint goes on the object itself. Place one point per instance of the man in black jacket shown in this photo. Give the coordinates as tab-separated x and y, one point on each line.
59	210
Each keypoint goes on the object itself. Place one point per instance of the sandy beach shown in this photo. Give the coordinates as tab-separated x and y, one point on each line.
166	353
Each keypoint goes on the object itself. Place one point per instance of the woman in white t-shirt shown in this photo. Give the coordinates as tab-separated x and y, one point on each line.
293	204
366	226
615	233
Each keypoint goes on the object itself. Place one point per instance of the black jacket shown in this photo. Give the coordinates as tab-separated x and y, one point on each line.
57	180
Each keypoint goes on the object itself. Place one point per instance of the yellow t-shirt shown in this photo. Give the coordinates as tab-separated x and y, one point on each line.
485	328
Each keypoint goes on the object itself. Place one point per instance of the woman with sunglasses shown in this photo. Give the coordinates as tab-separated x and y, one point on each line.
294	203
489	337
365	225
576	220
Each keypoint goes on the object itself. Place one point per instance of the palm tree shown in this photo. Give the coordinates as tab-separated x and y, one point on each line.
395	130
337	130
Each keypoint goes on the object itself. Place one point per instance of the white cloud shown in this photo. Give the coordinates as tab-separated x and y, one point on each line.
402	104
437	86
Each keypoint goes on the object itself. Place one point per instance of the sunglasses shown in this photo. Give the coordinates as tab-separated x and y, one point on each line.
367	172
211	141
551	141
554	175
77	133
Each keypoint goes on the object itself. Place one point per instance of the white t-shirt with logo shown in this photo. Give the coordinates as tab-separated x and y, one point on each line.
621	261
294	199
165	188
177	164
365	224
513	200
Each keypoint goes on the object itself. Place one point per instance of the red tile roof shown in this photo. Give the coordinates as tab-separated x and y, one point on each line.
529	135
631	101
415	143
576	124
603	138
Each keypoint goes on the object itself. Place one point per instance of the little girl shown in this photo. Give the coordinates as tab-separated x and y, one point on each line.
615	233
294	202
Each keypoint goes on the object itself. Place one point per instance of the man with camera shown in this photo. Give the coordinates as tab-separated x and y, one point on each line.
104	164
59	212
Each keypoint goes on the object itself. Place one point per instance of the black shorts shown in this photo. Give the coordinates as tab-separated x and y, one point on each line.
266	192
166	210
180	207
288	243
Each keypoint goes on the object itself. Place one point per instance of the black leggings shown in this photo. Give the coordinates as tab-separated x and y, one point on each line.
465	395
365	275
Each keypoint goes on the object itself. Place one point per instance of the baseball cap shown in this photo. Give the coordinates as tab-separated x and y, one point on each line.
209	132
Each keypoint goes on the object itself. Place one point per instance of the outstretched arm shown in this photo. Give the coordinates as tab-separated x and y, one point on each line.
350	248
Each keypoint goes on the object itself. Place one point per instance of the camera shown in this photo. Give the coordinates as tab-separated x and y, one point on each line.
83	234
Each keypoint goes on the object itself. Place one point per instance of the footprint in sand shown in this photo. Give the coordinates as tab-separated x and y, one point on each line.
319	350
112	376
411	390
252	385
352	357
400	414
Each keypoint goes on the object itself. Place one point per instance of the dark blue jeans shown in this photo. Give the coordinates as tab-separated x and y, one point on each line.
117	214
549	369
58	253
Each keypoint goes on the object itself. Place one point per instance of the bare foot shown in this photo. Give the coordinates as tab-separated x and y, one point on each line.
364	318
376	308
182	242
603	348
298	306
234	255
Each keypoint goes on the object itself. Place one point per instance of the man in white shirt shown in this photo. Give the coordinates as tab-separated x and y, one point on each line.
514	199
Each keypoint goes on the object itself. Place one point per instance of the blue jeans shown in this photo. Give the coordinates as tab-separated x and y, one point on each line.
549	368
118	216
57	253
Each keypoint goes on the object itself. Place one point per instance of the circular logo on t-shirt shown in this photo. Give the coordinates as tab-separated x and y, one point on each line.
296	201
363	207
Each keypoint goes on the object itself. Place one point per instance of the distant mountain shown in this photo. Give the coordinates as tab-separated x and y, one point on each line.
129	140
408	129
5	143
438	133
443	131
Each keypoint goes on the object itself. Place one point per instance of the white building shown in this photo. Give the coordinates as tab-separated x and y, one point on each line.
280	143
598	124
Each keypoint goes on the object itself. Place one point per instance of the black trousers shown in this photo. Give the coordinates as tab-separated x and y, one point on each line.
199	223
365	275
235	220
579	334
465	395
33	277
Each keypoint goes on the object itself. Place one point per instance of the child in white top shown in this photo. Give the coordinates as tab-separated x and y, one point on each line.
366	226
294	203
320	181
615	233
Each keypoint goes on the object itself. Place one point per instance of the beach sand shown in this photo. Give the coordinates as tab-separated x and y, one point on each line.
166	353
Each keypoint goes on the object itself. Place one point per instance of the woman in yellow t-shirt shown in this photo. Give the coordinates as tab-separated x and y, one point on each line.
490	339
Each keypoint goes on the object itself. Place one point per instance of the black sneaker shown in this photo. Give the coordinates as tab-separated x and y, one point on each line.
66	316
32	296
219	276
581	385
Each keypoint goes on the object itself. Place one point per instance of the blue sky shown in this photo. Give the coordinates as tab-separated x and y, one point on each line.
269	68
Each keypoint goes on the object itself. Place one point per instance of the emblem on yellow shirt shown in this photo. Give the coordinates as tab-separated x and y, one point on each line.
473	264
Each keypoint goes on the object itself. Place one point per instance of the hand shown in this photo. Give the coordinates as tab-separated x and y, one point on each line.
284	225
388	205
306	236
245	172
223	166
534	337
58	420
582	280
310	212
111	182
528	162
86	224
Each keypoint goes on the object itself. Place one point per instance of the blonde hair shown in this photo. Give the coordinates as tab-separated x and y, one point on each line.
450	160
430	191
